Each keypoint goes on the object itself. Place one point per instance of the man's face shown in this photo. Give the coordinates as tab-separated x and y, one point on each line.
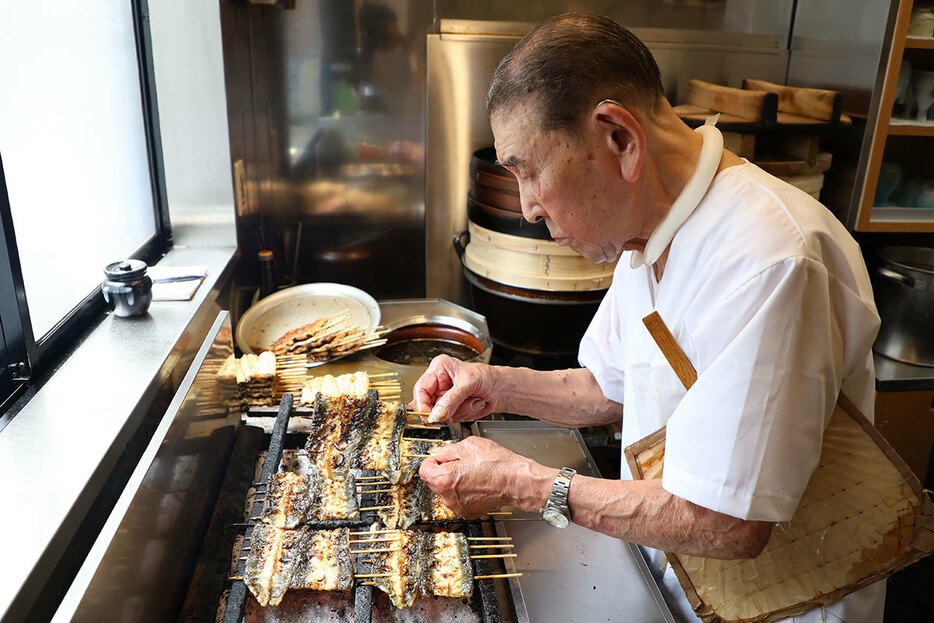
562	181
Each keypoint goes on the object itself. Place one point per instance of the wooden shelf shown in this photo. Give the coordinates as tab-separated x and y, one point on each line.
910	127
890	218
920	43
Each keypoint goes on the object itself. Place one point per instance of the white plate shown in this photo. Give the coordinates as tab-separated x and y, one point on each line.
272	317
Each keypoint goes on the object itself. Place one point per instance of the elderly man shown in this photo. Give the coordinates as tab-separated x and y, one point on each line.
764	290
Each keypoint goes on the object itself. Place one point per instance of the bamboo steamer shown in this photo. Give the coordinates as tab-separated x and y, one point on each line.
532	263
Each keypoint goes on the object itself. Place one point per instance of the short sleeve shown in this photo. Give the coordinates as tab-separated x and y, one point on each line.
747	436
600	343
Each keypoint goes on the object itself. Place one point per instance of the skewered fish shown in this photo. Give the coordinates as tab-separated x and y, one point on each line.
292	499
360	433
280	559
354	384
411	503
380	444
450	573
255	376
295	340
326	338
411	455
329	443
425	563
402	567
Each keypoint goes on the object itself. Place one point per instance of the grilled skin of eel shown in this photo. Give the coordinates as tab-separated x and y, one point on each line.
268	569
426	564
403	566
281	559
289	499
287	344
329	443
364	423
293	499
408	463
411	503
381	449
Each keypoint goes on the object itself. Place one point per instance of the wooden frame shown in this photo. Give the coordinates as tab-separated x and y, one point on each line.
883	128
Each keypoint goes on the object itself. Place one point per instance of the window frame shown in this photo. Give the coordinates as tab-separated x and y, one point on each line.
29	359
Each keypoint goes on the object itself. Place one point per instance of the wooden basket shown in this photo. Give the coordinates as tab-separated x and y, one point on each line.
863	516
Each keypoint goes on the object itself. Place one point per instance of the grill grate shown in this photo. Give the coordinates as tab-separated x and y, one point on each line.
486	606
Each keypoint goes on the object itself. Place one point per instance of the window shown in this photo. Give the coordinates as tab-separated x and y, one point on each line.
80	158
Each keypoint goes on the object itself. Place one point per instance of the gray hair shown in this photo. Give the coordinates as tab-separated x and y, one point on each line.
571	62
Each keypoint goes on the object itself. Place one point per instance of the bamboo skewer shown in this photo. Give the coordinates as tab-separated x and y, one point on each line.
497	575
416	456
371	540
426	426
500	513
489	538
372	575
375	508
373	532
428	440
377	491
492	546
493	556
370	477
375	551
418	412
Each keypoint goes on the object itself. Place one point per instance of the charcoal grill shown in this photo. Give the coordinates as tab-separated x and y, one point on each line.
165	553
484	601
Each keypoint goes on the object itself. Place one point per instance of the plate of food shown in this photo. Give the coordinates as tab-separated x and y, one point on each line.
294	320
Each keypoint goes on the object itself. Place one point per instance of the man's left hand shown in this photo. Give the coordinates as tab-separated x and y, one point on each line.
477	475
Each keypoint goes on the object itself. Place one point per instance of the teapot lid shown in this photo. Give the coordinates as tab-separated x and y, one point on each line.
125	270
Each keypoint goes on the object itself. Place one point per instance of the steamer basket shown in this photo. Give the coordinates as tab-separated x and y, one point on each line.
533	264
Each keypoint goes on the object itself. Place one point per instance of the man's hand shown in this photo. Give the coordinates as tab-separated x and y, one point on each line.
477	475
455	391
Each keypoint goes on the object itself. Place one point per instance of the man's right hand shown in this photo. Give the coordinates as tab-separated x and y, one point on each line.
455	391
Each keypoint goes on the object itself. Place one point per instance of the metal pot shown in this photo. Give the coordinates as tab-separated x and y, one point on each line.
904	292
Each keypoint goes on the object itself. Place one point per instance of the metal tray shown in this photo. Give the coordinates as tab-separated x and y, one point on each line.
573	574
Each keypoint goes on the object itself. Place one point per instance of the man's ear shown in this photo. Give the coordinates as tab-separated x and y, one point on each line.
623	135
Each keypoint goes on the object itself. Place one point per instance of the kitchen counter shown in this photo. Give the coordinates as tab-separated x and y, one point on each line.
892	376
60	450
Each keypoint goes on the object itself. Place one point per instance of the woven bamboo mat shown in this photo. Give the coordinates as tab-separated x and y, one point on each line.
862	517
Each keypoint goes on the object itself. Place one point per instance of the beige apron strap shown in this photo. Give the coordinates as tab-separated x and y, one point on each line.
669	346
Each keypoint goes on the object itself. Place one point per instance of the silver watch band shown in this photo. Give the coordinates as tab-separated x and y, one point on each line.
560	489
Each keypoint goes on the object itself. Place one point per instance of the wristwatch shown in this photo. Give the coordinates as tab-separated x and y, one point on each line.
556	511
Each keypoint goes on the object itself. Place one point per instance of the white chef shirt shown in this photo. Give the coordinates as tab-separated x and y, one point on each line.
768	296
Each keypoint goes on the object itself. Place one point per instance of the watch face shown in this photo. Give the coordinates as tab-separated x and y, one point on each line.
556	518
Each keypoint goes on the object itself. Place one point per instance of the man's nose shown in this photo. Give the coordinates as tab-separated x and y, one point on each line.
531	209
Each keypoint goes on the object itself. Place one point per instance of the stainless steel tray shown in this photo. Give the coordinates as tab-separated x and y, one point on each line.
573	574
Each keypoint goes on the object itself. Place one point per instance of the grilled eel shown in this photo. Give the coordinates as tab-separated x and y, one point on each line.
281	559
411	503
426	564
355	432
292	499
411	455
